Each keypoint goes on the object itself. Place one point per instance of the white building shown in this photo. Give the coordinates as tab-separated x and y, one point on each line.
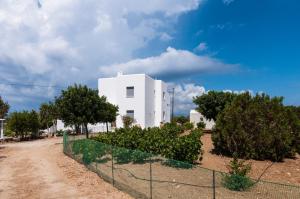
196	117
139	96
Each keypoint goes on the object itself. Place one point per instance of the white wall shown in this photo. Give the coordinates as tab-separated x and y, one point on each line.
147	103
196	117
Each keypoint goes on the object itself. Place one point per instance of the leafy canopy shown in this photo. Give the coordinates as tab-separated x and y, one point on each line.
80	105
258	127
4	107
24	123
213	103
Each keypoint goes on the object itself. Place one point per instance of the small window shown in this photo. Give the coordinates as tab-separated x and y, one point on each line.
164	116
130	113
130	91
164	95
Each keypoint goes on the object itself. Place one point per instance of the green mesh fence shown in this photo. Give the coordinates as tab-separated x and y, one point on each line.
144	175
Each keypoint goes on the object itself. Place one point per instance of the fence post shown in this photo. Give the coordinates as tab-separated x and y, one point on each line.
112	165
214	185
150	178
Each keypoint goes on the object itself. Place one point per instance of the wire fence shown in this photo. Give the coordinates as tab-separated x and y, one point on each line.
144	175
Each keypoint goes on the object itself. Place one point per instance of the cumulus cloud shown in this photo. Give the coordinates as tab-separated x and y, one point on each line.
65	41
184	93
201	47
165	37
172	61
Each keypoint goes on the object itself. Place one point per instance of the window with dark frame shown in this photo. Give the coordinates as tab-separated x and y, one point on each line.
129	91
130	113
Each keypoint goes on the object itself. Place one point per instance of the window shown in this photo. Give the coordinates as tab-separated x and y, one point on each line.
164	116
130	91
164	95
130	113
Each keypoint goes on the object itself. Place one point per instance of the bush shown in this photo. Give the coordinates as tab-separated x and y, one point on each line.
163	141
127	121
188	126
91	150
201	125
237	179
256	127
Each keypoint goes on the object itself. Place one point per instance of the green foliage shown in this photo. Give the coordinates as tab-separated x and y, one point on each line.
213	103
48	115
127	121
59	133
80	105
4	107
188	126
236	182
256	127
24	123
91	150
180	119
164	141
293	115
201	125
237	179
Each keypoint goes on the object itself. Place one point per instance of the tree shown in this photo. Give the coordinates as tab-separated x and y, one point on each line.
110	114
80	105
48	115
258	127
23	123
4	107
180	119
213	103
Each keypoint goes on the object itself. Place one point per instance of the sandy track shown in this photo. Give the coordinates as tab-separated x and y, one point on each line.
39	169
287	171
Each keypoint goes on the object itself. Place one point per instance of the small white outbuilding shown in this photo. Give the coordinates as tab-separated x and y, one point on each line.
196	117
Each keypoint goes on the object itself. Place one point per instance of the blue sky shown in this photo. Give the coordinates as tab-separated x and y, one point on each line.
196	45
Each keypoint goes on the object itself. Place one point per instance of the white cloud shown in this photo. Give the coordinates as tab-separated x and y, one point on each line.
173	61
184	94
201	47
238	91
227	2
64	41
165	37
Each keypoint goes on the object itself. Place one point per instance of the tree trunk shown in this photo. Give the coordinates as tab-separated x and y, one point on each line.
106	127
48	129
86	131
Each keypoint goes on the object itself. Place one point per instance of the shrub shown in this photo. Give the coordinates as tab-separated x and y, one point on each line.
127	121
164	141
188	126
180	119
237	179
256	127
201	125
91	150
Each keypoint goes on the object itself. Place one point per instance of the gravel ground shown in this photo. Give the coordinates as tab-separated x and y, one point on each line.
39	169
287	171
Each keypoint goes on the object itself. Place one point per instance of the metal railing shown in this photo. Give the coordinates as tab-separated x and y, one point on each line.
144	175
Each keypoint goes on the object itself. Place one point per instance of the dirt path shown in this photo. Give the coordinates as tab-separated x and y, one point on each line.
39	169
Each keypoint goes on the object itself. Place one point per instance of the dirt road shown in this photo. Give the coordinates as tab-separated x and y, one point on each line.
39	169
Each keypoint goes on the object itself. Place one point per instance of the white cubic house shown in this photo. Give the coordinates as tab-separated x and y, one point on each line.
196	117
139	96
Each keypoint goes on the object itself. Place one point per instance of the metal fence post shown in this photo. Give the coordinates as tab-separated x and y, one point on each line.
112	165
214	185
150	178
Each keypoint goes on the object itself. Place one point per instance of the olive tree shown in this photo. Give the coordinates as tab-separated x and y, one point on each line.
80	105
